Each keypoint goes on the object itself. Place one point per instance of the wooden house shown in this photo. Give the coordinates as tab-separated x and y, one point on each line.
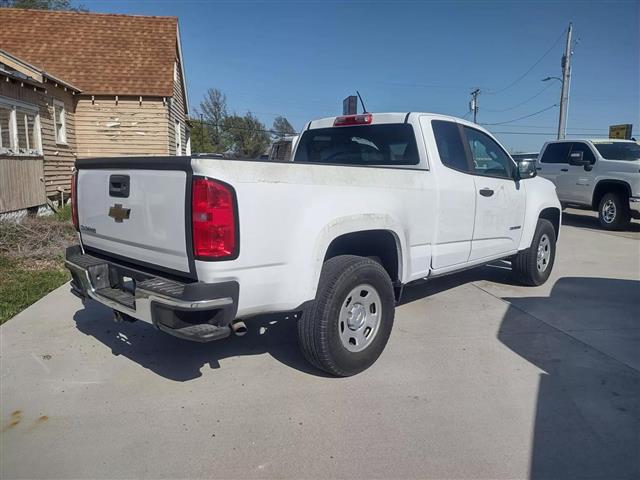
102	84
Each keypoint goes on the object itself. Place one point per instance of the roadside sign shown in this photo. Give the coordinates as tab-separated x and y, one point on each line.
350	105
620	131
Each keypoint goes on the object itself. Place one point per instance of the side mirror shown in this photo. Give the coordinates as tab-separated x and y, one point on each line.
526	169
577	159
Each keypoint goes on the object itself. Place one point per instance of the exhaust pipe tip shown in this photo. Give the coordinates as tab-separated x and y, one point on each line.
239	328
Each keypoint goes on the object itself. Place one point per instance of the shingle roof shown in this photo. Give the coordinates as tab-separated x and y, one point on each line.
99	53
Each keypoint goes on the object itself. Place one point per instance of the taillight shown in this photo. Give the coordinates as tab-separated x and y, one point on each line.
213	220
74	200
362	119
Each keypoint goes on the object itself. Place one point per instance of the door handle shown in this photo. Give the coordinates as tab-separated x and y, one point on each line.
486	192
564	169
538	168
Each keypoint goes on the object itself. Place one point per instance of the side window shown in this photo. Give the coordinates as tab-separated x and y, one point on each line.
60	121
587	154
556	153
488	157
450	146
178	133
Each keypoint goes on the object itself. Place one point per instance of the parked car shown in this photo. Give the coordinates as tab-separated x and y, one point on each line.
599	175
370	203
283	148
525	157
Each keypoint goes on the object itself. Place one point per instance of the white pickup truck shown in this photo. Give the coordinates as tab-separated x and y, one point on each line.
371	202
601	175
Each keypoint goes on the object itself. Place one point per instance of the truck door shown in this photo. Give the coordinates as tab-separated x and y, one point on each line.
554	164
500	200
456	197
577	183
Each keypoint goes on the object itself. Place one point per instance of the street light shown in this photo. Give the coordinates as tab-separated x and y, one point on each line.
564	102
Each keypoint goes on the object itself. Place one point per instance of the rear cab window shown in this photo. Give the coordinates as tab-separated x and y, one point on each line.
450	145
389	144
618	150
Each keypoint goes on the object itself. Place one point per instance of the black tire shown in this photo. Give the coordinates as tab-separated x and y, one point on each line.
319	330
621	213
525	264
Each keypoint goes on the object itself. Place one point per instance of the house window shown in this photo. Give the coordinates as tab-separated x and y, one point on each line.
178	138
19	128
28	131
187	143
60	121
5	128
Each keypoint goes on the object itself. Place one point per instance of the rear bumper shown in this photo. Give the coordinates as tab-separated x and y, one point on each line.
194	311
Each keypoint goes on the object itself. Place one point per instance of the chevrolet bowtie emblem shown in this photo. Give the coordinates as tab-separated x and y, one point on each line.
118	213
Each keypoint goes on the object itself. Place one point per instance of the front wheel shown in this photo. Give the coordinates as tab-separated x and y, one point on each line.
613	211
347	327
533	265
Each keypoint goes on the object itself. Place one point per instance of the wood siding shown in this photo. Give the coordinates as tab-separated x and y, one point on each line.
130	127
56	163
59	159
21	183
177	113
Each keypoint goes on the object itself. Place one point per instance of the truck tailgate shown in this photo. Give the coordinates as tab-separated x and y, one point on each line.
137	214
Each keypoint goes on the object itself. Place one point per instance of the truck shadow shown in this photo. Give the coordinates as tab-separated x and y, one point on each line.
275	334
584	337
496	272
588	221
182	360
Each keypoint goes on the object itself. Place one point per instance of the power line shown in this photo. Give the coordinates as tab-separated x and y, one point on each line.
522	103
523	117
234	127
530	68
584	134
573	128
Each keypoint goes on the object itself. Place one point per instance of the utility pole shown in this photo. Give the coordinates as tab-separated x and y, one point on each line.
473	104
201	131
566	79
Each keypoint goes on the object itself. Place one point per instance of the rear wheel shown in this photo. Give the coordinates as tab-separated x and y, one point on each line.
533	265
348	325
613	211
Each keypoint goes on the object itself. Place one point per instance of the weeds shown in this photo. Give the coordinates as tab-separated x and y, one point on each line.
32	259
36	242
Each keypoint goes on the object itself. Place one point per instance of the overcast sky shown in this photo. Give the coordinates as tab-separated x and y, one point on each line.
300	59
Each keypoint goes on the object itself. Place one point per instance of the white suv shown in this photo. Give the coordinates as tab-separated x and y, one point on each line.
599	175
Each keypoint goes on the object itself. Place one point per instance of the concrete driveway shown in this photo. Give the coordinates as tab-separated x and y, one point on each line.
481	379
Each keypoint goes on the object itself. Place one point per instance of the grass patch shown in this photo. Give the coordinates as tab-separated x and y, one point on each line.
64	214
32	260
21	286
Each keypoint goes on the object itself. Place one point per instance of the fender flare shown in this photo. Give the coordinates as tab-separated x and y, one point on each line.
353	224
612	181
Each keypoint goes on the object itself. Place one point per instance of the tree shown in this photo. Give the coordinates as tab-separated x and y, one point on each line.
282	127
214	112
201	137
247	135
43	5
